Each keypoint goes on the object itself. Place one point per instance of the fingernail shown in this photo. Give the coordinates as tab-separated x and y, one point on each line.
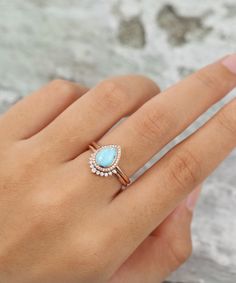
230	63
192	199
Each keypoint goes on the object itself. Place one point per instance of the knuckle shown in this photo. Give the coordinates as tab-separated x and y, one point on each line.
179	254
153	123
210	80
146	83
112	95
184	169
227	119
64	86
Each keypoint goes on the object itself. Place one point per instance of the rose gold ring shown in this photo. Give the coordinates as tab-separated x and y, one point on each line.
104	162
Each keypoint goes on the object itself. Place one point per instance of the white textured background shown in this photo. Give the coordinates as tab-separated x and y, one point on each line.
87	40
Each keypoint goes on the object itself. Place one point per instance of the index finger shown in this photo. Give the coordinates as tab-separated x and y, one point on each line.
141	208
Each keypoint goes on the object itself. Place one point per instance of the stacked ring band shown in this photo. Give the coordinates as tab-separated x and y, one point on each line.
104	162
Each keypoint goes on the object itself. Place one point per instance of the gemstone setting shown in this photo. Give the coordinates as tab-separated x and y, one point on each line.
104	160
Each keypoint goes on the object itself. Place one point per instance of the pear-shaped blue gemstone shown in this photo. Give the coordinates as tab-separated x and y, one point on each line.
105	157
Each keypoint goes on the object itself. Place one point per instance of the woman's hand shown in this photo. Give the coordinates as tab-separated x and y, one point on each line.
61	223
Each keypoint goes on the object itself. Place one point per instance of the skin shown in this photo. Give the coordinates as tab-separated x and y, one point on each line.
61	223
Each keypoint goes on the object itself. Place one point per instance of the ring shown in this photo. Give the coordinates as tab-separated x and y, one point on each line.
104	162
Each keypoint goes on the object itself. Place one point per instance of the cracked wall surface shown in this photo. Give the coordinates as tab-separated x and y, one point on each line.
86	41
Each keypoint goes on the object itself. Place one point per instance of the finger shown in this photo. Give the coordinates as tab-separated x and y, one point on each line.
34	112
138	210
93	115
168	114
166	249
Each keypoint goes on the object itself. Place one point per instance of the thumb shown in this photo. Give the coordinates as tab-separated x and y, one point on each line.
174	235
164	250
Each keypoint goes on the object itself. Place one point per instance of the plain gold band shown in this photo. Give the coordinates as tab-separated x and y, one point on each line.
122	177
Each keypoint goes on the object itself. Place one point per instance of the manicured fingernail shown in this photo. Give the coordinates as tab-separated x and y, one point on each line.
192	199
230	63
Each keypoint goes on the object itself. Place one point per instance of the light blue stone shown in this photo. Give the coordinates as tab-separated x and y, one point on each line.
106	156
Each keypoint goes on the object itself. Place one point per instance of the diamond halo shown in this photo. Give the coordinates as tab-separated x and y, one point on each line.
105	171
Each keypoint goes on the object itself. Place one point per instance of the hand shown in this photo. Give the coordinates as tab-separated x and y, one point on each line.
61	223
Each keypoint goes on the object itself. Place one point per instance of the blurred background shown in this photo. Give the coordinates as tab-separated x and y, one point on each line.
86	41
